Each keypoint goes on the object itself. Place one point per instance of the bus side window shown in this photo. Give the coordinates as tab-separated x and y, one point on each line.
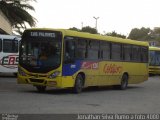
69	51
0	45
144	54
81	47
93	50
105	50
10	46
127	51
136	53
116	51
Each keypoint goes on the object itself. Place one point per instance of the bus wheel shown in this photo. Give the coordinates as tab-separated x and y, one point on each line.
78	84
124	82
41	88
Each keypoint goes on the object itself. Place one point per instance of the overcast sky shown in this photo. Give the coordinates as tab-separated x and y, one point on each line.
114	15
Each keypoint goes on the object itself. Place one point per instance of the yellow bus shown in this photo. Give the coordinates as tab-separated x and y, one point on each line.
68	59
154	60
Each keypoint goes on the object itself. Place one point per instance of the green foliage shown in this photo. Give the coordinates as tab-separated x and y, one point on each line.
89	30
75	29
114	34
155	34
140	34
156	30
16	12
85	29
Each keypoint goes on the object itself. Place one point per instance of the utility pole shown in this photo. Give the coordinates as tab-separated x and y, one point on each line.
82	24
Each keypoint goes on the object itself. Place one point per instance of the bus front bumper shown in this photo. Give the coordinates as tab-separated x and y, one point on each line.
58	82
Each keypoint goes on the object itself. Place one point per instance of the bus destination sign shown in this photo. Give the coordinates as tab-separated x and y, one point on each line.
42	34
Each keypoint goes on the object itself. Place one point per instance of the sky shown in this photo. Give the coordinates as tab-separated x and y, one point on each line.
120	16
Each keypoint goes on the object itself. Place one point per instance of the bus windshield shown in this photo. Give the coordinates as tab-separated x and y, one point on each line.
40	54
155	58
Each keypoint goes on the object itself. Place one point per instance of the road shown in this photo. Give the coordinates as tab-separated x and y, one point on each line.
24	99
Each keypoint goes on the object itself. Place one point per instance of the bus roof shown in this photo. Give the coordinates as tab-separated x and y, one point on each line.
95	36
2	36
154	48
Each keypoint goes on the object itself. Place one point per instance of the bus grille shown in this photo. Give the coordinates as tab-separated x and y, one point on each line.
37	80
39	75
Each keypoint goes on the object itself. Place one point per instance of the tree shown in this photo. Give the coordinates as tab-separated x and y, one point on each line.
140	34
89	30
85	29
16	12
114	34
155	33
75	29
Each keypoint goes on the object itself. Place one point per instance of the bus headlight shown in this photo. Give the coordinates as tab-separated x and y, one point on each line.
21	72
54	74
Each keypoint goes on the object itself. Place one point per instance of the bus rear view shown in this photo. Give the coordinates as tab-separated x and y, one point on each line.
154	60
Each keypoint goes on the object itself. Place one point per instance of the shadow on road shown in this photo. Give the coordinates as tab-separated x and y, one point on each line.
8	75
53	91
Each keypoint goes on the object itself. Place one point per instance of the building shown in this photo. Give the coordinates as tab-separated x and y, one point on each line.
5	25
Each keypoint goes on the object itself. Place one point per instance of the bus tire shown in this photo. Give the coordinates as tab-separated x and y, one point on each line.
78	86
41	89
124	82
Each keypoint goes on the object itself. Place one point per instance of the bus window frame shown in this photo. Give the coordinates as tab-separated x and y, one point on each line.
100	50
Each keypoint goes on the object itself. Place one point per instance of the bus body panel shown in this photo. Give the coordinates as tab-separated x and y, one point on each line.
154	70
109	74
105	73
9	62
